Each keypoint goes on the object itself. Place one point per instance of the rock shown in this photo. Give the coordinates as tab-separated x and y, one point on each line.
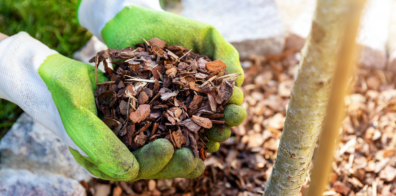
23	182
29	145
252	26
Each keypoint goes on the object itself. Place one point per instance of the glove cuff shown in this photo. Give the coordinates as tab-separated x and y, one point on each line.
94	15
20	58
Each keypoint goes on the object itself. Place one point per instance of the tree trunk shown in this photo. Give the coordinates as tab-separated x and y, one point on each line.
308	101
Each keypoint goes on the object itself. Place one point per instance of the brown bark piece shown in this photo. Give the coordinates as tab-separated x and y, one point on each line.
156	72
121	84
140	114
123	107
203	122
148	91
194	146
113	124
194	86
129	90
201	63
212	102
196	102
157	42
143	98
171	72
202	154
167	94
179	138
156	87
215	66
191	125
106	98
140	139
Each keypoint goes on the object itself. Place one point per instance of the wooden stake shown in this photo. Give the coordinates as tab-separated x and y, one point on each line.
335	111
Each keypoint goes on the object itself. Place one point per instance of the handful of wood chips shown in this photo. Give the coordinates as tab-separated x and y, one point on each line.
159	91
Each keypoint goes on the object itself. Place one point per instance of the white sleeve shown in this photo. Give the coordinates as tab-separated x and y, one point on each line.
20	82
94	14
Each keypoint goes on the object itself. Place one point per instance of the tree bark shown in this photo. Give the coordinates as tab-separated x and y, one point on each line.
308	101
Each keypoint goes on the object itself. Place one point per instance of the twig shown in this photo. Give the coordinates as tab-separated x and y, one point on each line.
184	55
172	54
205	83
227	77
129	101
139	79
96	70
107	82
146	42
154	98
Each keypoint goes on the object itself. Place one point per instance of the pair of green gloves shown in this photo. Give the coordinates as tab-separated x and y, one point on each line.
72	86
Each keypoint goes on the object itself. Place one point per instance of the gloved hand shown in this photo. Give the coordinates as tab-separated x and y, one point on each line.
30	69
121	24
124	23
58	92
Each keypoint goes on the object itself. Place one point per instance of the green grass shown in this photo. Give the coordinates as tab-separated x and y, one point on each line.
53	22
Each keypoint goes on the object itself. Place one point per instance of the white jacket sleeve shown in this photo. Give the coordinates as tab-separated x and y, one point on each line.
94	14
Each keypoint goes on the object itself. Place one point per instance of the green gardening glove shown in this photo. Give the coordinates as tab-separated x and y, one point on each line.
58	93
128	27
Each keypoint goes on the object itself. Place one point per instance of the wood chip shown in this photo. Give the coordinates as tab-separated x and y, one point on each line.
140	114
215	66
203	122
141	139
191	125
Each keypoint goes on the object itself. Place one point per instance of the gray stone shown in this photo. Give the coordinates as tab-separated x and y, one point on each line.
252	26
23	182
29	145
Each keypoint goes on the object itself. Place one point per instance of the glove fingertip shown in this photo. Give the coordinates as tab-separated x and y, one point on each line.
153	157
234	115
198	171
212	146
237	96
181	164
218	133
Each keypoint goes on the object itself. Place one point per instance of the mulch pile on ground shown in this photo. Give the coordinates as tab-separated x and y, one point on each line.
159	91
364	164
